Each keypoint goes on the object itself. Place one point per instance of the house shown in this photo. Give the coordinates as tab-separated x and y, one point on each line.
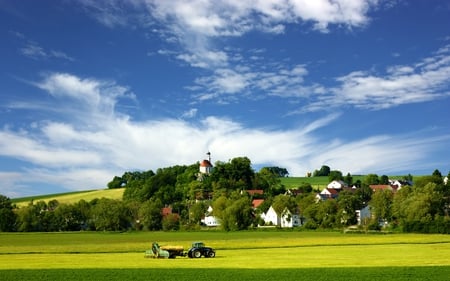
210	219
327	193
257	202
293	192
289	220
336	184
168	211
271	217
285	219
398	183
253	192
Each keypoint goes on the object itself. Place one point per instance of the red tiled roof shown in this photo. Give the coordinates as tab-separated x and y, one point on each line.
257	202
255	191
332	191
166	211
380	187
205	163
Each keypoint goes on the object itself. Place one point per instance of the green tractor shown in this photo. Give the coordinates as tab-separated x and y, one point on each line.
199	249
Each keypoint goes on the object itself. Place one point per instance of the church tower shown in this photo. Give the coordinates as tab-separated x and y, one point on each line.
205	165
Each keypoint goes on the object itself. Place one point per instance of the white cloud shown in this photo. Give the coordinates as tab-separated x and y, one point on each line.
83	155
255	78
401	84
194	24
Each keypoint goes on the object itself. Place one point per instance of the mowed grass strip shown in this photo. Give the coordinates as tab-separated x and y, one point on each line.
105	242
316	274
263	258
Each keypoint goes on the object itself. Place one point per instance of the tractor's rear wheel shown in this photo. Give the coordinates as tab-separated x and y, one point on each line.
196	254
211	254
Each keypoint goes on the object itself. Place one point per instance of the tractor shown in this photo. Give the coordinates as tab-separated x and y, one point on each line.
199	249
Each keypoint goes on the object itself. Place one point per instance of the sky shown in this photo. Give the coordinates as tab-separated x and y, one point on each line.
90	89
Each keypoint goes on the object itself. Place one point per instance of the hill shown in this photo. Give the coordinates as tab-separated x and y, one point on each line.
316	182
72	197
117	193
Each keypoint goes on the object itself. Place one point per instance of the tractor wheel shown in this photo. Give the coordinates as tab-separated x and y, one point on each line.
211	254
196	254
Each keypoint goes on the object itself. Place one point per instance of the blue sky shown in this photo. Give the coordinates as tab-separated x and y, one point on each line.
91	89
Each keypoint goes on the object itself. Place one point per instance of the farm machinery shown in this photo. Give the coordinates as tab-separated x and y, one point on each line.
197	250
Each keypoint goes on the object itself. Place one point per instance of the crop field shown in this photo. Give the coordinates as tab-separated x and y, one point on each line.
250	255
73	197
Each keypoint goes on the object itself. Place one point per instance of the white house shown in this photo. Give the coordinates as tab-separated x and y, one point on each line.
210	219
271	217
289	220
336	184
327	193
286	219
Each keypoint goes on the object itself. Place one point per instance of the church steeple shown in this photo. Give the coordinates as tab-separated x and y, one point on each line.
205	165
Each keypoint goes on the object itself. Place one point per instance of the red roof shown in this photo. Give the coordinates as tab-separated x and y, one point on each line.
257	202
375	187
166	211
255	191
205	163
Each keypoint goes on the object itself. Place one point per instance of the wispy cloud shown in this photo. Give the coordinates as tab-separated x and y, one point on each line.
194	24
423	81
35	51
86	153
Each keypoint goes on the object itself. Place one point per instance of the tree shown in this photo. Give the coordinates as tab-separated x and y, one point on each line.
197	211
282	202
381	204
150	215
371	179
7	215
277	171
323	172
335	175
348	179
238	215
111	215
171	222
348	203
384	179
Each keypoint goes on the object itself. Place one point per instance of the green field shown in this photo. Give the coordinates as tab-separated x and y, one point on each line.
72	197
250	255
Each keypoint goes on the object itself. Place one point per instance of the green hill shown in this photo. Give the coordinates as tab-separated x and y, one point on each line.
72	197
316	182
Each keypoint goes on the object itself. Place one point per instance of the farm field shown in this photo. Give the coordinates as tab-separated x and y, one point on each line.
250	255
73	197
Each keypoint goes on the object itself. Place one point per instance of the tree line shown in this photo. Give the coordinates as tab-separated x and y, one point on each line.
421	207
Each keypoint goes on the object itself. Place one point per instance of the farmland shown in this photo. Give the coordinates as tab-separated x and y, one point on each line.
251	255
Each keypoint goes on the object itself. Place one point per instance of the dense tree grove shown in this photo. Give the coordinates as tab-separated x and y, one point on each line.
187	194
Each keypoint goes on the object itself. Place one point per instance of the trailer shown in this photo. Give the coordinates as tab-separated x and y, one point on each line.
168	252
197	250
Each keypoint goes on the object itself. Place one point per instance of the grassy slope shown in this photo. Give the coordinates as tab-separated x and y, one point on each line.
73	197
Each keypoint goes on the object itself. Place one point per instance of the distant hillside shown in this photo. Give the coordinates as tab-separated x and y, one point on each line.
117	193
316	182
72	197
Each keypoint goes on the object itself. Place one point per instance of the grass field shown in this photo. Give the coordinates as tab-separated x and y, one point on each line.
73	197
251	255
